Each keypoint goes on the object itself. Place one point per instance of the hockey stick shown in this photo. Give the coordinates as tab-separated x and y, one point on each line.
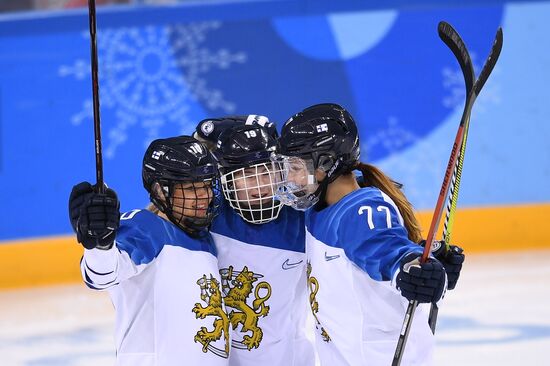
95	93
447	33
450	37
455	43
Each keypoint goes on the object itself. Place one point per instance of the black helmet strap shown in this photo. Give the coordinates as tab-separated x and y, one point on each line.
337	169
192	226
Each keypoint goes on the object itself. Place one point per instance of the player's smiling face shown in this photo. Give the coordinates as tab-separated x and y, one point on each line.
191	199
254	185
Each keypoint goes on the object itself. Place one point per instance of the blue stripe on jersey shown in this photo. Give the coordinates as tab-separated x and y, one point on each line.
143	234
98	273
365	237
286	232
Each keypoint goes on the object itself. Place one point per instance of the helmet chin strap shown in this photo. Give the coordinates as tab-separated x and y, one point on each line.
336	170
191	227
321	193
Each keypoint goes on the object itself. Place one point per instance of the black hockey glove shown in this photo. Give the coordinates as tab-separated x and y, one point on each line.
94	217
424	282
451	258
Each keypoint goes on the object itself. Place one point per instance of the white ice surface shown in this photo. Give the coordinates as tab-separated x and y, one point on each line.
499	315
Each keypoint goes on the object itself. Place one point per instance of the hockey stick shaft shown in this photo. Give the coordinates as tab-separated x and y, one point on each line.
95	94
453	195
449	217
457	174
405	329
461	53
455	43
452	39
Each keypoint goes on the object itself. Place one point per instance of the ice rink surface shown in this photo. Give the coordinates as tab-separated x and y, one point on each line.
499	314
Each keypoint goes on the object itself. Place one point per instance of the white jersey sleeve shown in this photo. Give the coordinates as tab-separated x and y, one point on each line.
165	288
136	245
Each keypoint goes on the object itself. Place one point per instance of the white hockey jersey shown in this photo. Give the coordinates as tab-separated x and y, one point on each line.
354	248
165	288
263	276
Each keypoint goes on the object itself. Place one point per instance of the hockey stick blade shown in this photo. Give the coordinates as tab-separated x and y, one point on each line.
455	43
490	62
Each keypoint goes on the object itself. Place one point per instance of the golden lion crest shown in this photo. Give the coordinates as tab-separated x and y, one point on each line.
237	287
211	295
313	285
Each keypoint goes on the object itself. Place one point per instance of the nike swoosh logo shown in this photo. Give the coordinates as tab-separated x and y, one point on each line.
331	257
287	265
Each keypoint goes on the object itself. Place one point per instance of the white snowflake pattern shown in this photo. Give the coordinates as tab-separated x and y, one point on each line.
391	138
421	165
151	75
453	82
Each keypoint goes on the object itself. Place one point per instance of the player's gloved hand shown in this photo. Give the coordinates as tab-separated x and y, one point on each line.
451	258
424	282
94	217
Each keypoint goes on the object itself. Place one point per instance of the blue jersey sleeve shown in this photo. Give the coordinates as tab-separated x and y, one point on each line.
142	234
374	237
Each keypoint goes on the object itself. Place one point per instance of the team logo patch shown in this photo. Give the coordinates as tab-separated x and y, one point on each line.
157	154
436	245
313	285
237	287
322	127
211	339
207	128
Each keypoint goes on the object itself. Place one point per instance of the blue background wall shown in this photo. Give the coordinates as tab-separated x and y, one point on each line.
162	69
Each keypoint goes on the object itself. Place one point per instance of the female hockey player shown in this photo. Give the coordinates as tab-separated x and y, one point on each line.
260	247
159	264
360	240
